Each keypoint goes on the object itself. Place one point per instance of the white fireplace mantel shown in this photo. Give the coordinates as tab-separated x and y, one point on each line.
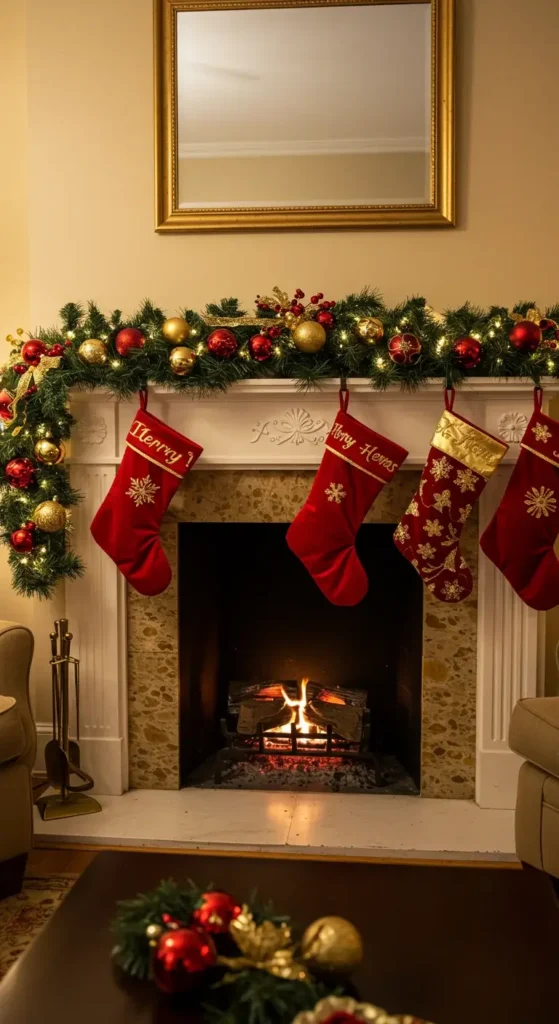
272	424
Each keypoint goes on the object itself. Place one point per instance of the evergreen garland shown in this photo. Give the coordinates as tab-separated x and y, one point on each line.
344	355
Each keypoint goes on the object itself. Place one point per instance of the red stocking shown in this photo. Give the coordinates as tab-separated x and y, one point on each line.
355	467
127	524
521	535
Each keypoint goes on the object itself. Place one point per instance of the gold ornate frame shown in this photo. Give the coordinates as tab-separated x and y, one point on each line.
439	212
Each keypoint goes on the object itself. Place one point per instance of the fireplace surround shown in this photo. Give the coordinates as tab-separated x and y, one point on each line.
262	442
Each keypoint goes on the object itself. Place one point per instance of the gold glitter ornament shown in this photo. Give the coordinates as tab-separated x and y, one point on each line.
332	945
93	352
50	516
175	330
49	452
182	360
370	329
309	336
264	947
289	319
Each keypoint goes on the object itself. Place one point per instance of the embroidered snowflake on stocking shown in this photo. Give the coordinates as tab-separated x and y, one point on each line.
142	490
335	492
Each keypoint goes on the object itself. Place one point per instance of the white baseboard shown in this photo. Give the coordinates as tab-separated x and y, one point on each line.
101	758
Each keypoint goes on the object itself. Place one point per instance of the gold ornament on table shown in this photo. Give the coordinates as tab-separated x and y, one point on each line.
309	336
50	516
48	451
264	947
370	329
182	360
332	945
93	351
175	330
345	1006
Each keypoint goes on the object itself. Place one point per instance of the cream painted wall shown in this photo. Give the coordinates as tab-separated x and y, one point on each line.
90	180
91	177
14	302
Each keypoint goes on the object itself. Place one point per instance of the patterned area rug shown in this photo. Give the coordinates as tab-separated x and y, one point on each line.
23	916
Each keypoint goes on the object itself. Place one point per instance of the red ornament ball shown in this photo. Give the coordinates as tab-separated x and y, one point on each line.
6	400
181	957
127	339
20	473
32	351
217	911
20	368
22	541
526	336
547	325
326	318
273	332
404	348
222	343
468	351
260	347
55	350
552	343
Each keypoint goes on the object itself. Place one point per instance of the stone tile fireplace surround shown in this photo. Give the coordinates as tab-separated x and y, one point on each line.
262	442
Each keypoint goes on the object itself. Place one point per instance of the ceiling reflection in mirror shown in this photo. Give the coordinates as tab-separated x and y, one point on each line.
304	106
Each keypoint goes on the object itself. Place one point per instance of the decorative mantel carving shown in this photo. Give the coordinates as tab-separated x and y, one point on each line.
296	426
512	426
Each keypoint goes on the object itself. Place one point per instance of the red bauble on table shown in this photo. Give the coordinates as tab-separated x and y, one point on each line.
32	351
404	348
260	347
181	957
468	352
326	318
127	339
217	911
6	400
22	540
222	343
526	336
20	473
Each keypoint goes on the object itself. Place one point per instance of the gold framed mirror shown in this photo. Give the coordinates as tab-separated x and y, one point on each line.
303	114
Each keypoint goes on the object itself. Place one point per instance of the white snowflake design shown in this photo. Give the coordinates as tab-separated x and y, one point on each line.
442	501
427	551
412	509
142	490
402	533
466	480
432	527
335	493
452	591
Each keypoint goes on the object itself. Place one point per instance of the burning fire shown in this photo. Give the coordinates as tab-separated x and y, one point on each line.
298	714
308	732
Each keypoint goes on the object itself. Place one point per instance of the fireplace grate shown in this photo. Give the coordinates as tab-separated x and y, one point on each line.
295	743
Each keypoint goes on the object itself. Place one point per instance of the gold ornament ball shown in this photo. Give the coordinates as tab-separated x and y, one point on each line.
309	336
50	516
49	452
370	329
93	352
182	360
332	945
175	330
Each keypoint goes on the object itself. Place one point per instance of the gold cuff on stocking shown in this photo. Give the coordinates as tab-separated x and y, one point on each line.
468	445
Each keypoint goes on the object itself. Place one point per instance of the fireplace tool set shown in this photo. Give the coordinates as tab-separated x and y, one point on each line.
62	754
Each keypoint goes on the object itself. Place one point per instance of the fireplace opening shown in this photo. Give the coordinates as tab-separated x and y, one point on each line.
280	688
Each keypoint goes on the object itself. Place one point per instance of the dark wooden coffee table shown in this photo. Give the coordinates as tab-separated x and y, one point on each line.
456	945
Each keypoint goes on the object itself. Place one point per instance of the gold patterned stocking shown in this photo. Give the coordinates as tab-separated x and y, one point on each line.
461	460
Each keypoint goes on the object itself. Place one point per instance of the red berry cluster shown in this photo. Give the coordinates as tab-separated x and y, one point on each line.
297	308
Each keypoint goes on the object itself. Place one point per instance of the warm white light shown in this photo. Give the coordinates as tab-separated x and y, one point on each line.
497	323
491	334
404	320
43	550
116	363
44	483
380	363
103	337
25	561
476	336
550	365
343	335
200	349
70	335
499	361
277	350
194	331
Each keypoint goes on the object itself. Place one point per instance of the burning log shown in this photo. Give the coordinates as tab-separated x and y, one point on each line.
346	721
270	714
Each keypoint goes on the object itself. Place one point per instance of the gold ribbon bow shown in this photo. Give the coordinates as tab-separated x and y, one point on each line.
34	375
265	947
534	314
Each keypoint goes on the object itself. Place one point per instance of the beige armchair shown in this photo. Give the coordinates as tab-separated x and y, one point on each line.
18	743
534	734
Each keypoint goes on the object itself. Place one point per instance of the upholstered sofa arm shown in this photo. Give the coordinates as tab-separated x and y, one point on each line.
16	652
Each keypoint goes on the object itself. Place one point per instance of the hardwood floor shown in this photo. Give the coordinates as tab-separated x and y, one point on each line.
58	862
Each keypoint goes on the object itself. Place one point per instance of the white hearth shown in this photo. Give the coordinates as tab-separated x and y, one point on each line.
272	425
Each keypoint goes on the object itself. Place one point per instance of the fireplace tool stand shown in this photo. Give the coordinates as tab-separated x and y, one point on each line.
331	746
62	755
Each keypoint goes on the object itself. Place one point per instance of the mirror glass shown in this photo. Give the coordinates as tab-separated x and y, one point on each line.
304	106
